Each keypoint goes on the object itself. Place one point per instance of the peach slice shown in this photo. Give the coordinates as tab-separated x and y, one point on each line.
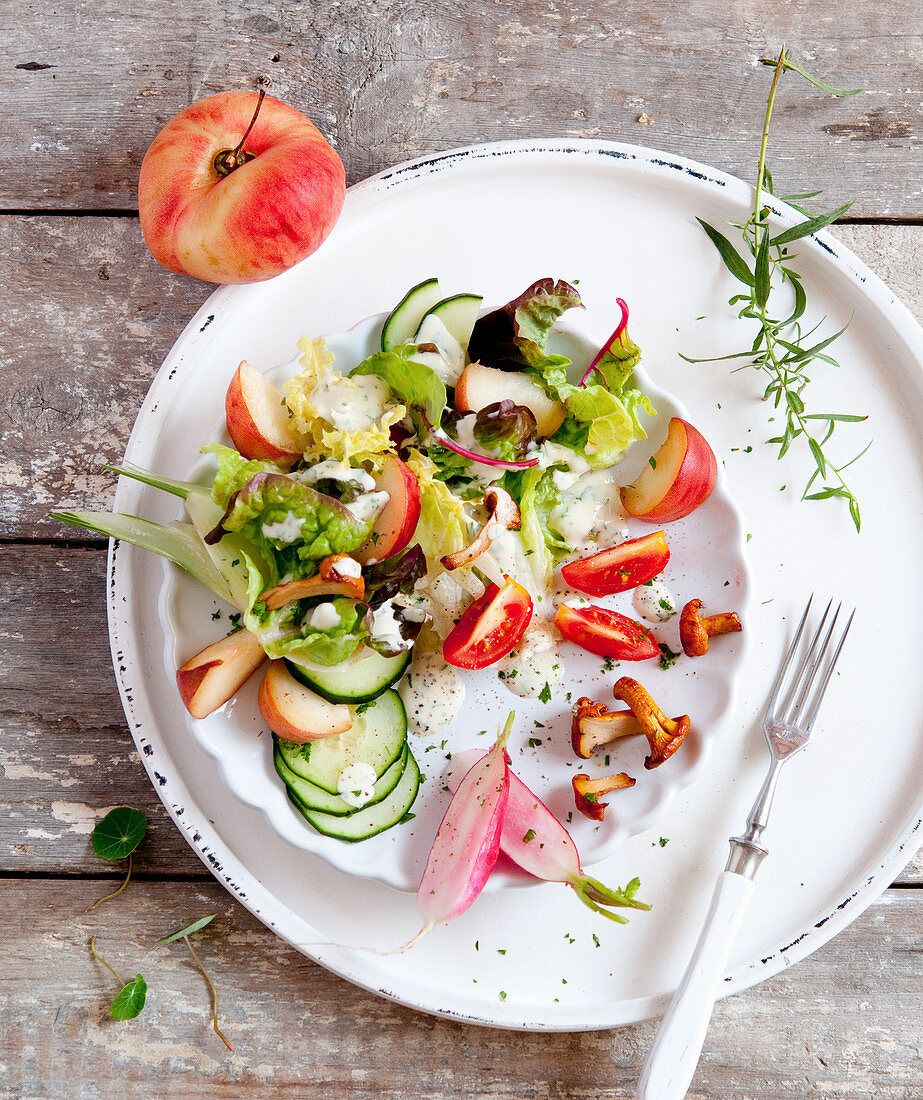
679	477
480	386
294	712
207	680
258	422
397	521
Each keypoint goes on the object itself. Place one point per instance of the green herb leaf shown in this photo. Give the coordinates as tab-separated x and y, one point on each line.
733	261
130	999
780	348
188	930
119	833
812	225
761	273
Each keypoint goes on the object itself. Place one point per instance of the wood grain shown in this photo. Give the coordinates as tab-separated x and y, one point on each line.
90	316
393	79
842	1024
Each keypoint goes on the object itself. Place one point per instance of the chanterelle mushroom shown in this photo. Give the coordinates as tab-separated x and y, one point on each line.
664	735
339	575
502	515
696	629
594	724
587	792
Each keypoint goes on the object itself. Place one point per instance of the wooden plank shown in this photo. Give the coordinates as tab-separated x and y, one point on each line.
842	1024
76	368
65	750
89	317
93	85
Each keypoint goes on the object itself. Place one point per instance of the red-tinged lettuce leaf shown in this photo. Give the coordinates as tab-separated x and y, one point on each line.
500	338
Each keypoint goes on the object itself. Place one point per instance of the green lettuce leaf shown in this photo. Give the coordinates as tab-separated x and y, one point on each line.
536	494
234	471
443	524
327	526
325	647
506	337
414	384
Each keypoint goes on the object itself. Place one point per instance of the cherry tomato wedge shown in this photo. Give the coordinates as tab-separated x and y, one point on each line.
490	628
620	568
606	633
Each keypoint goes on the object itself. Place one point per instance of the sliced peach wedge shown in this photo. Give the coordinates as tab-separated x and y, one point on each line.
397	521
679	477
258	421
294	712
207	680
480	386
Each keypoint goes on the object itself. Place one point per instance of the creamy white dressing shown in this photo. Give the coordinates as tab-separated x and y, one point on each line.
432	693
556	454
535	664
385	627
348	567
324	617
367	506
284	531
351	404
588	510
654	602
332	470
356	784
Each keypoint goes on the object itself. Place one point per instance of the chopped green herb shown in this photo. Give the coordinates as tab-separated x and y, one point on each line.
545	694
667	656
653	462
530	835
216	615
502	995
596	939
534	742
664	841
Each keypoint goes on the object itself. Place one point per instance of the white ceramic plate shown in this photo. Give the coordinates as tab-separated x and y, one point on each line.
622	220
706	562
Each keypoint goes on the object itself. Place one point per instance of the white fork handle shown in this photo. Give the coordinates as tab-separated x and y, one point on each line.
671	1064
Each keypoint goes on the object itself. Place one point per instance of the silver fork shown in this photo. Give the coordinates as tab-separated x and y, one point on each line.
789	719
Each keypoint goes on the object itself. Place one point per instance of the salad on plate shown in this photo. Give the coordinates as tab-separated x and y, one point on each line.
448	504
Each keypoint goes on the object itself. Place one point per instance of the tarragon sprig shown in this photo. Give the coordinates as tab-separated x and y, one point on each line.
781	348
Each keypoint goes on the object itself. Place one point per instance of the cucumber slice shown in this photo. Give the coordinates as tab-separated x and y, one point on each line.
313	798
377	738
406	316
357	681
458	314
370	819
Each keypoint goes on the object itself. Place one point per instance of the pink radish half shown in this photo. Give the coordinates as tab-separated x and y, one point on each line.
468	839
534	839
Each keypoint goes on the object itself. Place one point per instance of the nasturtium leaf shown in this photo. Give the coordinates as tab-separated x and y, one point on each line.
129	1000
119	833
188	930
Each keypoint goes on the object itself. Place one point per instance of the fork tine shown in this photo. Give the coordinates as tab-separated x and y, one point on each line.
787	706
817	653
770	706
822	687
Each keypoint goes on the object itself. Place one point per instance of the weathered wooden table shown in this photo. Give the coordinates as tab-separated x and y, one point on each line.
87	318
